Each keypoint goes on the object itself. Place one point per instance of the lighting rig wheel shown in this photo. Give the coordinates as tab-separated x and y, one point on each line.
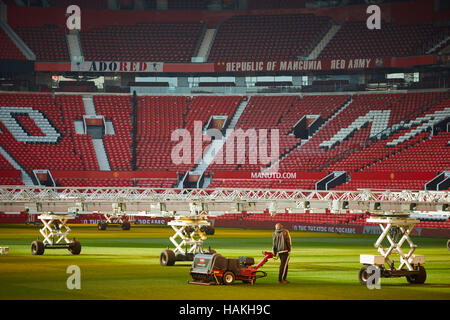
167	258
228	278
102	225
418	278
126	225
75	247
208	230
363	276
37	248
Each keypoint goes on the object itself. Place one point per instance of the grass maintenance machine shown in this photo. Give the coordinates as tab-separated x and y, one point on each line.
213	268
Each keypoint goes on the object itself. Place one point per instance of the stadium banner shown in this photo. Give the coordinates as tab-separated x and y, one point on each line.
188	67
241	66
415	61
303	65
269	175
323	227
116	66
96	218
444	59
290	225
52	66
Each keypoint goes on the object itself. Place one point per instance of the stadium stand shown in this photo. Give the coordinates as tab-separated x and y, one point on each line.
268	37
392	40
73	109
370	151
187	5
321	130
48	42
94	182
320	218
156	121
5	181
156	183
413	184
168	42
276	4
8	50
4	164
85	4
337	139
36	155
157	118
118	146
306	184
160	116
430	153
260	114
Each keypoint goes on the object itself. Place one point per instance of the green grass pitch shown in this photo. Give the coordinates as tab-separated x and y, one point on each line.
118	264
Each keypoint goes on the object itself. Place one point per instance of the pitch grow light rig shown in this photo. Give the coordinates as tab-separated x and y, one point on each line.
192	207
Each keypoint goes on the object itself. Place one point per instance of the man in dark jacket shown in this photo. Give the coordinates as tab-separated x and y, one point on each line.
282	246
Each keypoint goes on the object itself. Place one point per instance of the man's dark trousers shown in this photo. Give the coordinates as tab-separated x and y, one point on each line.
284	260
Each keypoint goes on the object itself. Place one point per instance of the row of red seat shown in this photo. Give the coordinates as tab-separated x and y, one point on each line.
280	113
161	42
158	117
8	49
355	40
48	42
240	38
268	37
54	156
311	156
118	145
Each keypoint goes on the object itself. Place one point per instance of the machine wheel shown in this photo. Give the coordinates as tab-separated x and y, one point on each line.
102	225
167	258
228	278
37	248
75	247
448	244
126	225
363	276
418	278
208	230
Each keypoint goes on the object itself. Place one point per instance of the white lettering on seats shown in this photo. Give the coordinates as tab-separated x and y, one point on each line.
378	118
423	123
9	121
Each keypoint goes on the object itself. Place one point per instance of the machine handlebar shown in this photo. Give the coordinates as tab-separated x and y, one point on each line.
269	255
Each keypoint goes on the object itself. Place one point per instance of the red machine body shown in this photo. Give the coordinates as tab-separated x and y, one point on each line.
219	270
